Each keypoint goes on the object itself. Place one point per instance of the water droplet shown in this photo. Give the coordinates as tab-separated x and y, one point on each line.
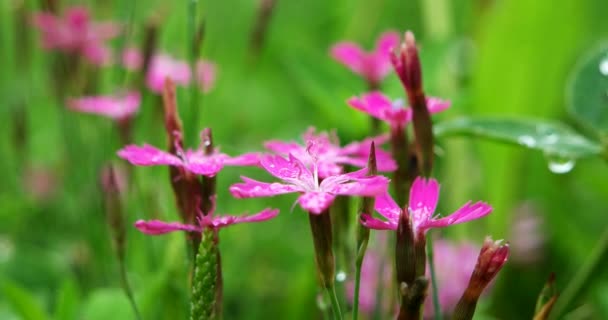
604	66
527	141
561	165
341	276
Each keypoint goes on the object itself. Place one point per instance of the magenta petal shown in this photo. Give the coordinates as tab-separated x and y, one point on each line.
387	207
162	67
377	224
252	188
246	159
350	55
148	155
387	42
119	107
466	213
226	220
367	187
198	163
283	148
424	195
154	227
375	104
289	170
437	105
316	202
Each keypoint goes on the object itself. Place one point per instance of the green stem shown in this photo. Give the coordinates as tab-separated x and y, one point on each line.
431	262
127	288
335	304
584	276
358	264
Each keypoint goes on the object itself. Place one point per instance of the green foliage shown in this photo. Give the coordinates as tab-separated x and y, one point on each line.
23	302
588	90
552	138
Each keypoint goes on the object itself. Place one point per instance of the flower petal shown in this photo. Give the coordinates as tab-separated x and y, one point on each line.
375	104
349	54
253	188
246	159
316	202
466	213
199	163
155	227
290	170
116	107
377	224
367	186
148	155
386	42
387	207
226	220
424	195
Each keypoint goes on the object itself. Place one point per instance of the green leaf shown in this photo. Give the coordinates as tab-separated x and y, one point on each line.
107	303
553	138
68	300
587	94
23	302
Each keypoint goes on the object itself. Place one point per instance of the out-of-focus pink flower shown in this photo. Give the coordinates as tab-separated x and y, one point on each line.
75	33
424	196
41	183
395	113
163	66
454	264
156	227
373	66
132	59
331	157
194	161
315	196
205	75
116	107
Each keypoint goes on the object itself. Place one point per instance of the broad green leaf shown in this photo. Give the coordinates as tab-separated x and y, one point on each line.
23	302
553	138
587	94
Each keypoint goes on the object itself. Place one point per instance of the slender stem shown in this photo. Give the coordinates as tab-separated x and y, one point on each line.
193	55
335	304
358	265
127	288
431	262
583	277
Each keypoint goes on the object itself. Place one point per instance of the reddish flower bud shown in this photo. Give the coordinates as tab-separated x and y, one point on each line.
492	257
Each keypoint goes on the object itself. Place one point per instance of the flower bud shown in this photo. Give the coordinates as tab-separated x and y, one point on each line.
492	257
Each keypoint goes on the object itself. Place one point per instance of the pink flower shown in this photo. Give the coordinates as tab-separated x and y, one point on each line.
373	66
156	227
454	264
194	161
424	196
74	33
316	196
116	107
163	66
331	157
132	59
395	113
205	75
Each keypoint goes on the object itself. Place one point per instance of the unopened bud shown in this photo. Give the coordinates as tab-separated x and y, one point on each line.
492	257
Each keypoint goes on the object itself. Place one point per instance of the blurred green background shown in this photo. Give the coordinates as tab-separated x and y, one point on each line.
510	58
